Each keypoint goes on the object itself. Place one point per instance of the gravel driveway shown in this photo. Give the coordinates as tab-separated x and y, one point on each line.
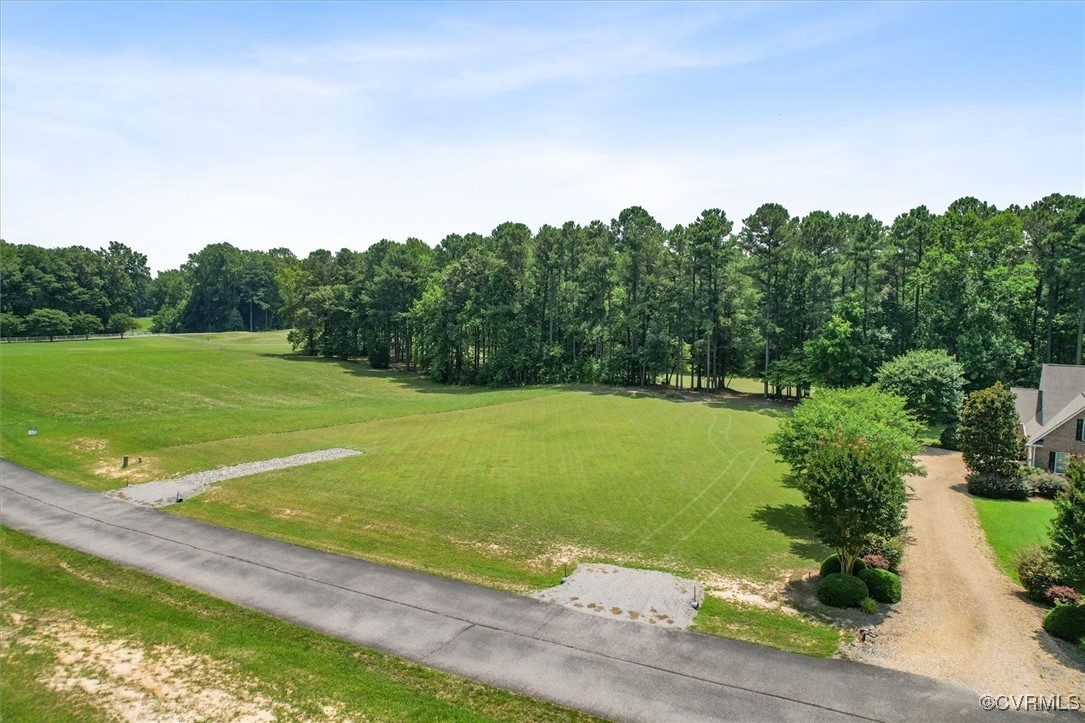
962	619
168	491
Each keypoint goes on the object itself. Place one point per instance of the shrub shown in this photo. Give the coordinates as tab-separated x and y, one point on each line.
1042	483
948	438
876	561
842	591
884	586
1066	622
832	564
997	486
1038	572
379	355
1068	527
868	605
890	548
1062	595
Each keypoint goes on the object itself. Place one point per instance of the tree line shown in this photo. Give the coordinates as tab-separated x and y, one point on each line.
819	299
50	292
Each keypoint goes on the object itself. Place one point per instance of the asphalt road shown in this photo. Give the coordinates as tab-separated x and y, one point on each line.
619	670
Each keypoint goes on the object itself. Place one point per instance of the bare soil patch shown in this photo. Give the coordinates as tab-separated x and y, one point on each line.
962	619
131	682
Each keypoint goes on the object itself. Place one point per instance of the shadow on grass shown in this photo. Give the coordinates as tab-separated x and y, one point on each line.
790	520
739	401
415	381
418	382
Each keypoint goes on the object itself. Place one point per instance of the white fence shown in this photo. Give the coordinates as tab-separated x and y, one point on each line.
67	337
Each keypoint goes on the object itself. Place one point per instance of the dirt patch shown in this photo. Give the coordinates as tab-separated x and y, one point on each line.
139	469
131	682
763	595
962	619
89	444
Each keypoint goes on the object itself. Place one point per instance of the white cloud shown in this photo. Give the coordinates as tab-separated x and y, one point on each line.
323	146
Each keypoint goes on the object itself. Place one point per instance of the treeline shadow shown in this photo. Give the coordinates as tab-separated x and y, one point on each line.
418	382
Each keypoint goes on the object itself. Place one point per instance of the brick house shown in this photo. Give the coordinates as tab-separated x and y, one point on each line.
1053	416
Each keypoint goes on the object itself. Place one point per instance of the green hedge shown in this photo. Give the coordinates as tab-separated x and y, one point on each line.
1066	622
842	591
884	586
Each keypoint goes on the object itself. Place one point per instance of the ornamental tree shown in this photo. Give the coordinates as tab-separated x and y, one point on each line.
930	380
48	322
861	411
121	323
854	489
988	432
86	324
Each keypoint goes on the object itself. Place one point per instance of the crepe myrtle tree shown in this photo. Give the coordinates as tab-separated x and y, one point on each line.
854	490
849	450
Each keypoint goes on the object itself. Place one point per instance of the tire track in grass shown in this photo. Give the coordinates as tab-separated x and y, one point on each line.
723	471
722	502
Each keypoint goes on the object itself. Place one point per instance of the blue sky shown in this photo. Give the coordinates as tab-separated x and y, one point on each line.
168	126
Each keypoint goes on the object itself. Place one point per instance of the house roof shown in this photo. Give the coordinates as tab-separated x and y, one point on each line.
1072	409
1028	409
1060	384
1061	396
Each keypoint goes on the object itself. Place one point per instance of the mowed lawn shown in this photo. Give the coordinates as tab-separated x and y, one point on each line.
499	487
1011	525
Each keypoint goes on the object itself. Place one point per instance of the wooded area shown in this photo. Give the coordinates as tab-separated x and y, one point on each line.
822	299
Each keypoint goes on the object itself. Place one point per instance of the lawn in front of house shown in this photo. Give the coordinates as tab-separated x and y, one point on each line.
1011	525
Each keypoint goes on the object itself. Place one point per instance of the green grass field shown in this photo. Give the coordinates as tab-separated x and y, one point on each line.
499	487
85	639
1011	525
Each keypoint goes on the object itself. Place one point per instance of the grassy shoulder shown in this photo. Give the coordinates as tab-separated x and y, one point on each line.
84	639
1011	525
795	633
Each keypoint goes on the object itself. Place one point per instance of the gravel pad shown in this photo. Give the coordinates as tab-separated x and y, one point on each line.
645	596
165	492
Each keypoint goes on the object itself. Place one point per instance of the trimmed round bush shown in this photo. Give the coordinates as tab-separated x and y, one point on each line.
998	487
842	591
884	586
1066	622
1038	572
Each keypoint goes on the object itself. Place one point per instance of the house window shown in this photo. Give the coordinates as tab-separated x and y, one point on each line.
1058	461
1081	430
